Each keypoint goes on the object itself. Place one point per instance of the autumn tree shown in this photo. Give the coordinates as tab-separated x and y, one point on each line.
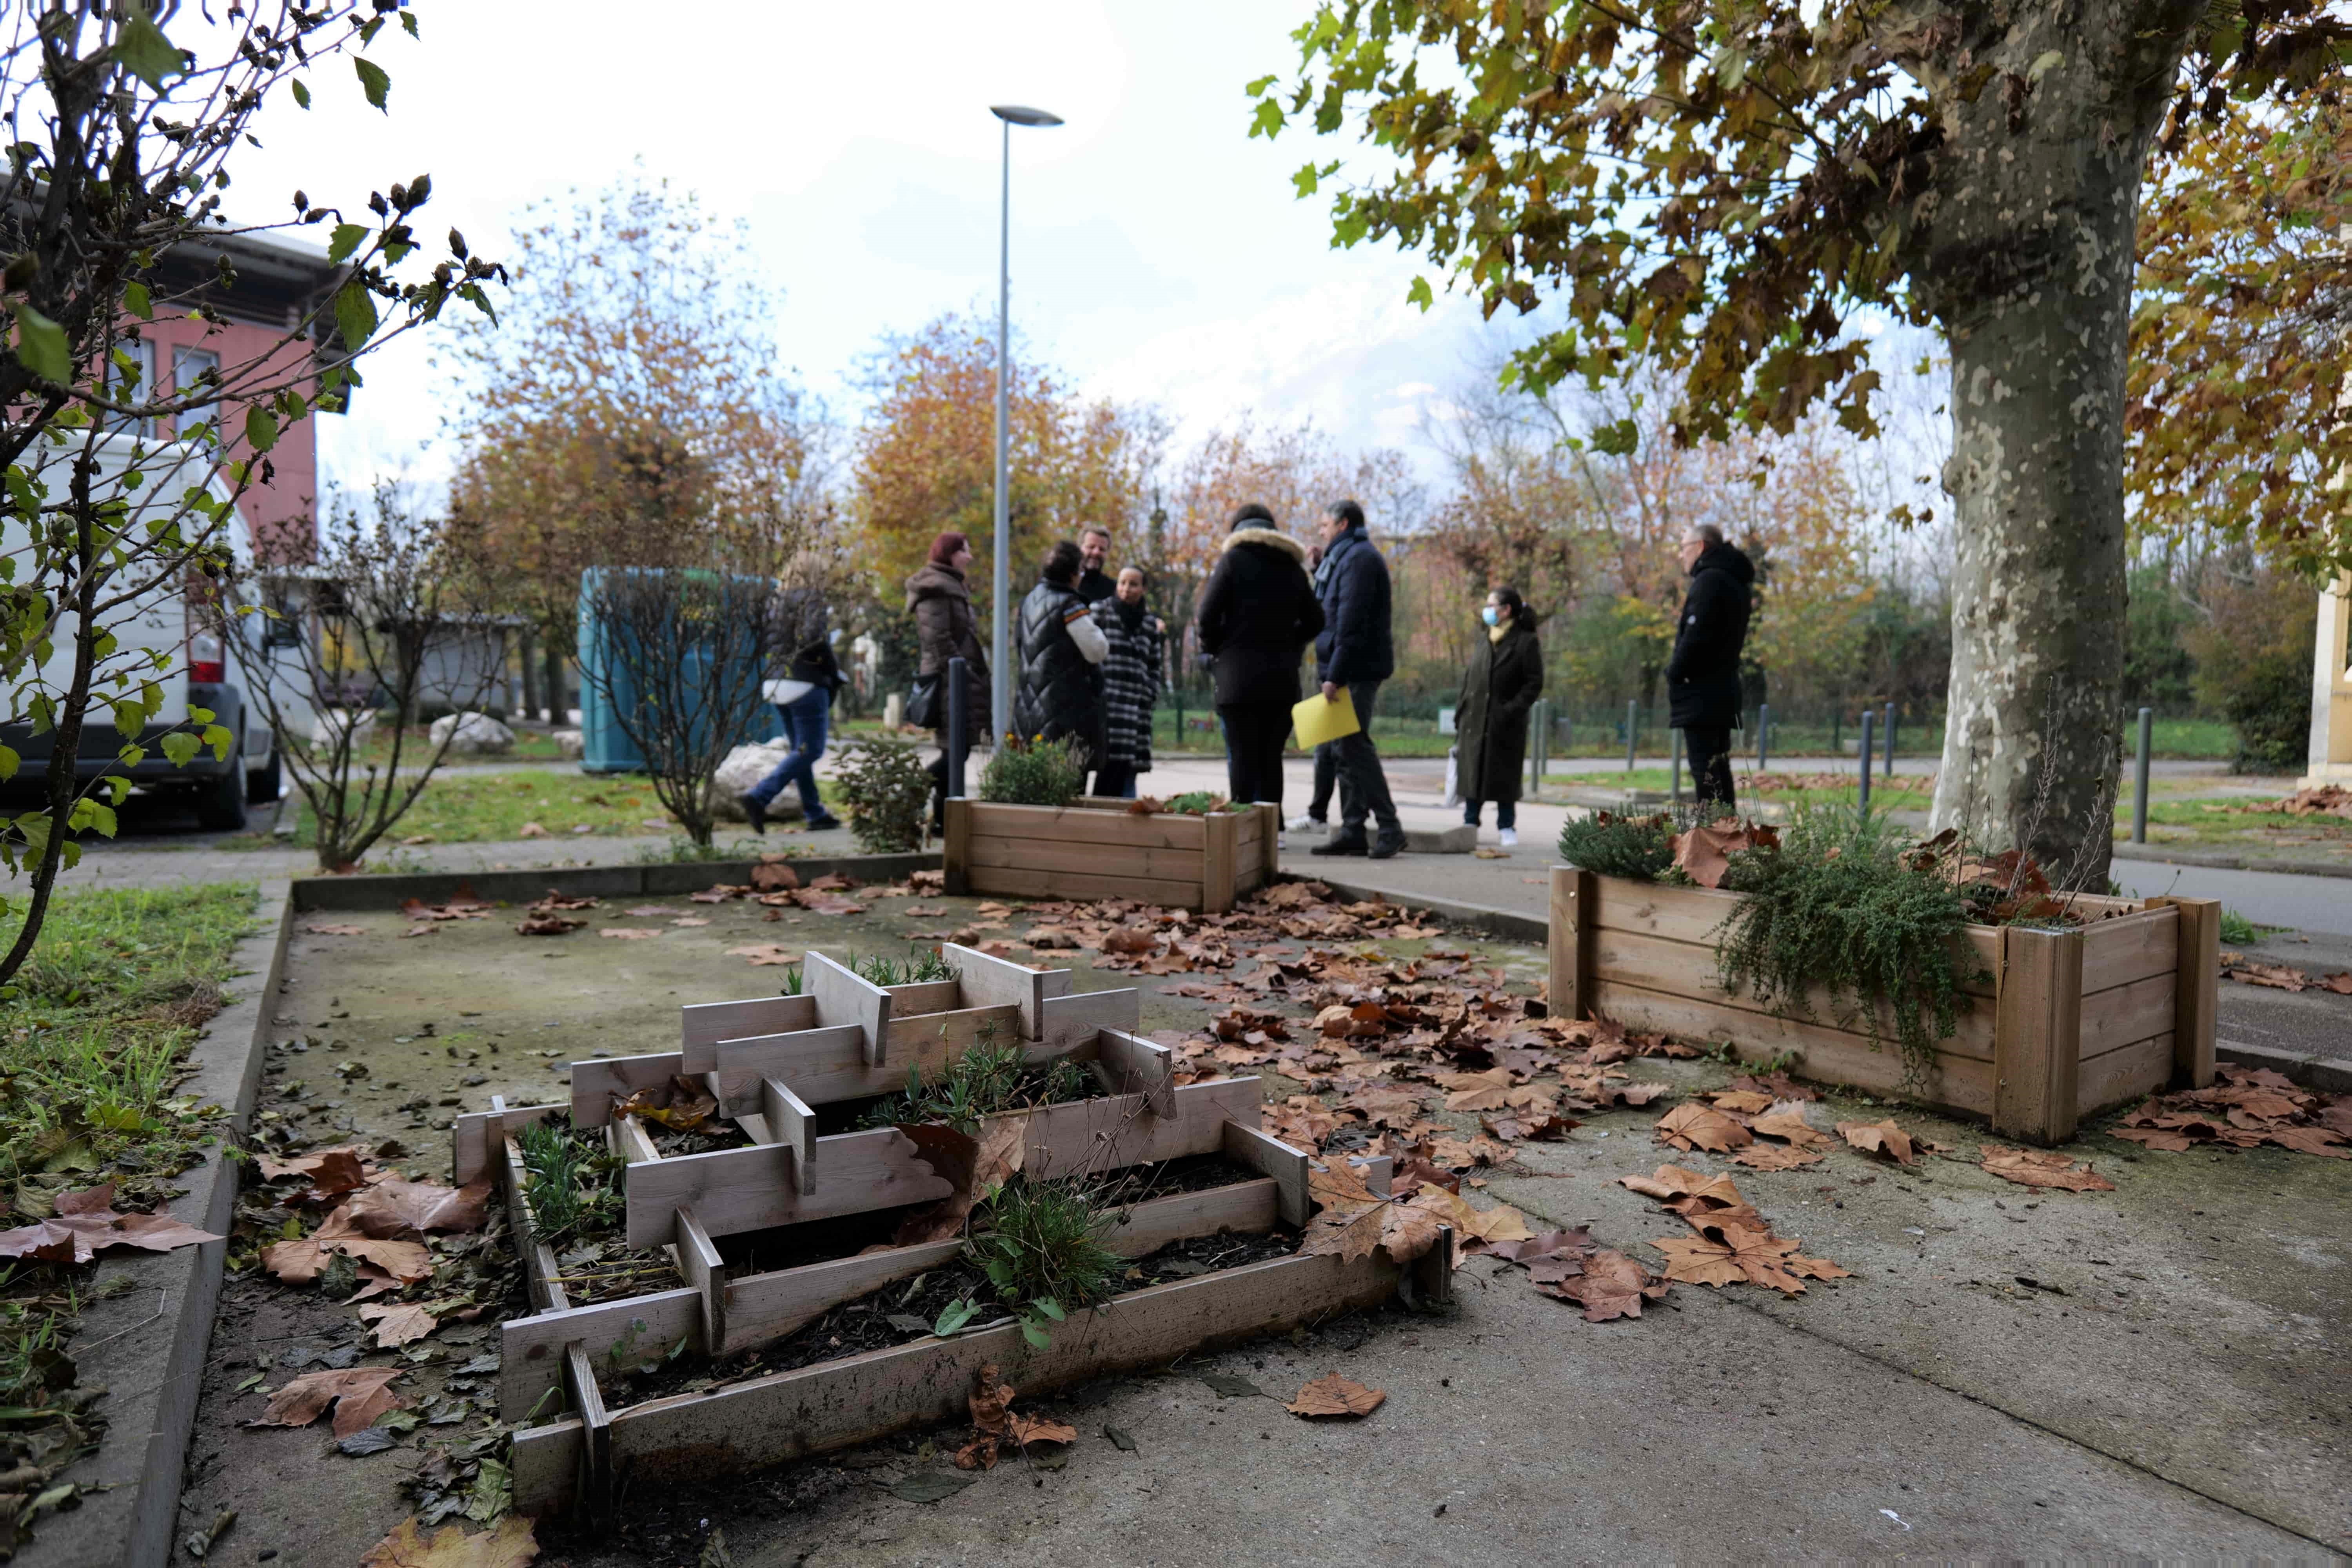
628	411
122	140
1725	190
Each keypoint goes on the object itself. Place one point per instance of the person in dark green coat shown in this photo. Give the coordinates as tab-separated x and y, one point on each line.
1505	678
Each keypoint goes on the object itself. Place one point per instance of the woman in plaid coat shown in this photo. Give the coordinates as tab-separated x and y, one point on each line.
1130	674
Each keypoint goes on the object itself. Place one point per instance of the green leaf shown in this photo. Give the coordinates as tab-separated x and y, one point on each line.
930	1485
261	428
41	345
218	738
130	718
1050	1307
1036	1336
955	1315
146	53
1304	181
347	239
301	93
181	748
1228	1386
9	761
1419	294
374	80
355	314
1257	89
136	300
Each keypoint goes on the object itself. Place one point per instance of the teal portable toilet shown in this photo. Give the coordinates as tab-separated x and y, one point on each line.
605	746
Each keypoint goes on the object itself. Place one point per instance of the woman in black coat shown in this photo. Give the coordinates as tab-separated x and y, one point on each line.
1502	683
1258	613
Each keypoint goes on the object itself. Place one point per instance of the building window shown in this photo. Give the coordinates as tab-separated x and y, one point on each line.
189	367
141	354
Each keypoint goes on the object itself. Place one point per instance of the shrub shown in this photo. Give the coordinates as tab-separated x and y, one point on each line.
568	1181
1033	773
1613	846
2253	667
1043	1250
886	791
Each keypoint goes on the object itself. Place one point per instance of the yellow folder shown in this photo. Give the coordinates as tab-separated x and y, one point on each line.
1318	720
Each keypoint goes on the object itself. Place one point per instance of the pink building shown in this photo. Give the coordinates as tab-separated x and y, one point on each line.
278	280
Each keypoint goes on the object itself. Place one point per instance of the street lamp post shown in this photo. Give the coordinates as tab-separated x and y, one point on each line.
1000	608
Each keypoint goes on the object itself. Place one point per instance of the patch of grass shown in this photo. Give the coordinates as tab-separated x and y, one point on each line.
2237	930
987	1080
570	1186
416	745
1042	1245
480	808
921	963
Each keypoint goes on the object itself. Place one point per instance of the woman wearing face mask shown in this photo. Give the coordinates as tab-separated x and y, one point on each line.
1502	683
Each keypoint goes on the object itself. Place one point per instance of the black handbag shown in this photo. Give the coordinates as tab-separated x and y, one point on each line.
923	703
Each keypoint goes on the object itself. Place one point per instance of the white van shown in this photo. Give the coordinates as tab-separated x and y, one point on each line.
198	675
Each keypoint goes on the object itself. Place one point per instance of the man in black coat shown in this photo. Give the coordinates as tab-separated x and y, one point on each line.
1060	656
1355	650
1094	582
1256	615
1703	674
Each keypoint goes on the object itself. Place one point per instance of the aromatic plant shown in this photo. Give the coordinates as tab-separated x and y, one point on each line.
921	964
569	1182
987	1080
1040	1245
1033	773
1639	848
1838	905
887	790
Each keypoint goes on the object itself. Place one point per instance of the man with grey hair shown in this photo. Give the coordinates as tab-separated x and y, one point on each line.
1094	582
1703	673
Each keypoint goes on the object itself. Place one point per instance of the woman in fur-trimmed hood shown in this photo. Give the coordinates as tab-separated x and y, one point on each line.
1257	614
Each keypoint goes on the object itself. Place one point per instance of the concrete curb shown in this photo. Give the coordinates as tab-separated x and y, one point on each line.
649	880
146	1346
1509	925
2127	850
2329	1075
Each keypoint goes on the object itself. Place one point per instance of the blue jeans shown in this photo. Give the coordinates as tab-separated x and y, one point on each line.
1506	813
803	719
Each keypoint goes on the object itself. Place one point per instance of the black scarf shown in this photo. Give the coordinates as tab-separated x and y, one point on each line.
1130	615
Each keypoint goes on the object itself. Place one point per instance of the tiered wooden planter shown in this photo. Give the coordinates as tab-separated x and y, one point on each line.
2069	1024
1097	848
769	1083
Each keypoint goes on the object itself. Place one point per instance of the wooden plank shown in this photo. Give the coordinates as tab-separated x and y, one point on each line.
1696	915
792	1056
1376	1170
792	1123
1102	859
1078	824
1284	1165
1828	1055
1261	857
1006	881
544	1461
703	1025
843	997
823	1071
1071	1021
933	1040
766	1421
1139	1066
1657	964
925	997
705	1270
596	1084
735	1190
630	1141
2038	1052
2123	1014
1089	1137
1568	945
595	1426
989	981
1220	862
767	1307
955	847
2123	949
531	1350
1433	1272
473	1140
2121	1075
2198	981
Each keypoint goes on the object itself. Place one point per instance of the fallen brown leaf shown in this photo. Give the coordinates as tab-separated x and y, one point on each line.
766	953
84	1225
398	1210
360	1395
1610	1285
630	933
1776	1157
1722	1254
1333	1396
335	931
1027	1429
2034	1168
1690	1126
1881	1138
396	1323
511	1545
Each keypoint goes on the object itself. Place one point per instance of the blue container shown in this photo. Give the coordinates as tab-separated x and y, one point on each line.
605	746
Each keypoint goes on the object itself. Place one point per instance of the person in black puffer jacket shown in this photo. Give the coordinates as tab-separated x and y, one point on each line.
1061	652
1257	614
1703	674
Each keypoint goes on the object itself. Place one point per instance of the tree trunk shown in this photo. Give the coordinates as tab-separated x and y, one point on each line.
556	707
2025	254
524	656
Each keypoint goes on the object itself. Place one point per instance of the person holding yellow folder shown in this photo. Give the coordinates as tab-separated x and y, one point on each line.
1257	611
1355	653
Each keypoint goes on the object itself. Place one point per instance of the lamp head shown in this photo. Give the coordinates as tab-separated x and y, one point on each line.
1015	114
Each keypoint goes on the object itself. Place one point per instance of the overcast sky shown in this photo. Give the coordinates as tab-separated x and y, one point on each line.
1157	252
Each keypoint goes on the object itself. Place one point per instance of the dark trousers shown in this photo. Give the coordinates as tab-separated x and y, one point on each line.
1710	761
1255	733
1326	778
1115	781
1363	787
805	725
1506	813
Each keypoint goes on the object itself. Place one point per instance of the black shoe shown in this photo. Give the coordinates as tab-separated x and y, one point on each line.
821	824
1386	847
753	812
1346	844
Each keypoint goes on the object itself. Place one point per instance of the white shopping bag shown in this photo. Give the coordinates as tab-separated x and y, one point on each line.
1452	777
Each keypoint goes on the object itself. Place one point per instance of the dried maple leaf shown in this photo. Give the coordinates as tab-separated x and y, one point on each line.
335	931
1027	1429
1881	1138
1788	1122
1705	852
396	1323
2322	1141
360	1395
630	933
511	1545
1688	1192
1741	1101
1776	1157
775	876
766	953
1333	1396
2033	1168
991	1405
1702	1127
1722	1254
330	1171
544	925
84	1225
683	1104
1610	1285
397	1210
1476	1228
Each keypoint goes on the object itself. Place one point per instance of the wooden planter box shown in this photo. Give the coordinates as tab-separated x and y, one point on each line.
2071	1022
1097	848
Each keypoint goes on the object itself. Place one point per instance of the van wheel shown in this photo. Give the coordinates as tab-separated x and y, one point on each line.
220	803
263	784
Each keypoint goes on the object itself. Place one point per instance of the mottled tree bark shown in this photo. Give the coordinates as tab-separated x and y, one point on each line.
2025	253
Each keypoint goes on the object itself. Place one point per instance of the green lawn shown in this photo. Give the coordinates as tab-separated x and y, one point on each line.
480	808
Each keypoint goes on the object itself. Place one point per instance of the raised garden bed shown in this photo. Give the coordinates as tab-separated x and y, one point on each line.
852	1043
2070	1023
1097	847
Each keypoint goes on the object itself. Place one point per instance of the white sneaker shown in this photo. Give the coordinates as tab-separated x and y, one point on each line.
1281	841
1510	838
1302	823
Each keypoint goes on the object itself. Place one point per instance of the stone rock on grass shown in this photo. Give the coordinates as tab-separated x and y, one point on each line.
746	767
472	735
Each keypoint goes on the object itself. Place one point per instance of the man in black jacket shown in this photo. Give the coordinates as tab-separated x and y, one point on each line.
1094	584
1355	650
1702	675
1256	615
1060	656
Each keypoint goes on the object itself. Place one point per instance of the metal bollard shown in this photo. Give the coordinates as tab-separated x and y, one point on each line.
1539	732
1632	732
959	727
2139	776
1866	759
1763	735
1890	740
1674	765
